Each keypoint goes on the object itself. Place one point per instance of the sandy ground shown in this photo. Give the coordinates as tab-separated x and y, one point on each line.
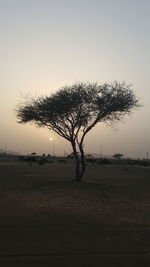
46	219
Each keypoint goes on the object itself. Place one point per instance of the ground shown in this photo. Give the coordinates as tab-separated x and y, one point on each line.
49	220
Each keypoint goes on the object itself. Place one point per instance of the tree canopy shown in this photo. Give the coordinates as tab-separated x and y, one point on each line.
74	110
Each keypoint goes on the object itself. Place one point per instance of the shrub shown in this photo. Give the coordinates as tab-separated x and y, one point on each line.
31	159
90	160
42	161
62	160
104	161
144	163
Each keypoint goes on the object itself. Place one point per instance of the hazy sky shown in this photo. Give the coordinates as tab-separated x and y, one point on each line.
46	44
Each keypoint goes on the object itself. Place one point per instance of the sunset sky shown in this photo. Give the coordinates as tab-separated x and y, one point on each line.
46	44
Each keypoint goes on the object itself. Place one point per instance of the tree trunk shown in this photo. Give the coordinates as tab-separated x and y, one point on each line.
82	161
77	163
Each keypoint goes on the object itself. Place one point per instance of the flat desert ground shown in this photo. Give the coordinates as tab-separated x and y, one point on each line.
46	219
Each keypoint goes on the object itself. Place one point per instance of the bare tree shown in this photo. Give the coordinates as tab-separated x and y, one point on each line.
74	110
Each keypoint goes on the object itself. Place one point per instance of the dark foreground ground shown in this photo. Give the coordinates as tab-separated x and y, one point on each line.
48	220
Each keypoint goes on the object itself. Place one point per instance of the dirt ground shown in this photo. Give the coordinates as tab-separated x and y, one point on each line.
46	219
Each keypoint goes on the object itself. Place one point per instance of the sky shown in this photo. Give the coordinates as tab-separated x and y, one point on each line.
47	44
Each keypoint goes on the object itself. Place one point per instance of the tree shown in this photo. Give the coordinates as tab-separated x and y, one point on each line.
74	110
33	154
118	156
